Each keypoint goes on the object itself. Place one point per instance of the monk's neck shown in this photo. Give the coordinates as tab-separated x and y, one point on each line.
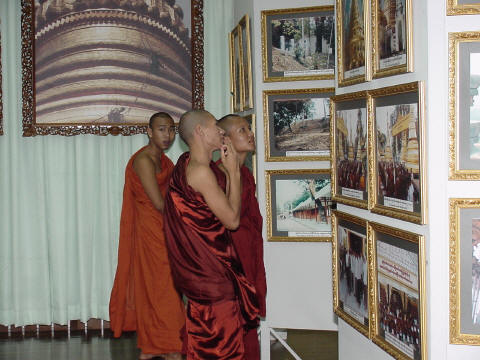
200	155
154	150
241	158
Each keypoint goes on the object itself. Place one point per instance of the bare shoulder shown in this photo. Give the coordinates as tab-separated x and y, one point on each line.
143	162
200	176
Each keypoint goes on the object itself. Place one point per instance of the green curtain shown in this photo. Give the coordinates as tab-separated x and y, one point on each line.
60	197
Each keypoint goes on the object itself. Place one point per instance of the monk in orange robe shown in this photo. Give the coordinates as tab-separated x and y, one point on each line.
247	239
201	205
144	298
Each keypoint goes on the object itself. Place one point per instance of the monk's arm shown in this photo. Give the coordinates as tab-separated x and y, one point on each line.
226	209
145	169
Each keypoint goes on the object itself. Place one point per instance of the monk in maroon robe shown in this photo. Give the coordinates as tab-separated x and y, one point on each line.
201	206
247	239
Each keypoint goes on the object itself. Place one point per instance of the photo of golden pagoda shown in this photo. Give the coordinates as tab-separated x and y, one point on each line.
392	33
353	38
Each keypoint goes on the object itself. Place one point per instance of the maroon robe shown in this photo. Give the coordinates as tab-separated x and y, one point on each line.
205	267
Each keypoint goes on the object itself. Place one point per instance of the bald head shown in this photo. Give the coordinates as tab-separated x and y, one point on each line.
228	121
189	121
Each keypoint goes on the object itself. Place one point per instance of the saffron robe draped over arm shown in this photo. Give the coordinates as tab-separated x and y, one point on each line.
143	297
206	269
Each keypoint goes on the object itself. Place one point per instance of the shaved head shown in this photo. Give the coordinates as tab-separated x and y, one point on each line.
189	121
228	121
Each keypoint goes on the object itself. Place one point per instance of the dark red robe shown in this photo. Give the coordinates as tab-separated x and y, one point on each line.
205	267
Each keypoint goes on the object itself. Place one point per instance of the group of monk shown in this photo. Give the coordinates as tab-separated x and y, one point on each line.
190	278
351	174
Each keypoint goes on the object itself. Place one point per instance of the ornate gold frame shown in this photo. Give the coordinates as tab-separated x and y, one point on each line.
454	39
234	42
266	121
340	42
373	228
269	214
265	50
453	8
456	336
398	69
365	330
333	146
244	23
31	128
418	218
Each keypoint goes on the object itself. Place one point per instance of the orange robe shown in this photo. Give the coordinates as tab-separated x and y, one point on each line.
143	297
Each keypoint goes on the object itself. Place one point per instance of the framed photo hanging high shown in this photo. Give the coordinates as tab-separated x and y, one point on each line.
397	275
349	138
350	254
396	159
392	32
463	7
464	105
298	44
465	271
246	56
298	205
297	124
353	41
236	70
104	67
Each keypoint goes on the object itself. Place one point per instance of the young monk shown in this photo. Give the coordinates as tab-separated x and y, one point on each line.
247	239
201	206
143	296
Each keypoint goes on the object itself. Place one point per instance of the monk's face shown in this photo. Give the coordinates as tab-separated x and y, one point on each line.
241	135
162	132
213	135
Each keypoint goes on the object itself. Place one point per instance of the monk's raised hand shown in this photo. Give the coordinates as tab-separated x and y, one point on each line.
229	156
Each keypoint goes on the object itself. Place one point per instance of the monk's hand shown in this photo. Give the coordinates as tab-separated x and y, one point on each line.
229	156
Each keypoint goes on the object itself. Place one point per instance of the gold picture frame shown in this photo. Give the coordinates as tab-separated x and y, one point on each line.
349	154
396	137
454	8
398	292
392	54
464	271
293	60
292	130
350	245
353	46
236	70
246	57
464	161
298	205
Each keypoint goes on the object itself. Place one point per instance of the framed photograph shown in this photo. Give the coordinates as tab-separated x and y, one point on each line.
298	205
465	271
463	7
298	44
397	275
104	67
350	149
396	144
350	254
464	105
246	56
297	124
236	70
251	160
392	33
353	41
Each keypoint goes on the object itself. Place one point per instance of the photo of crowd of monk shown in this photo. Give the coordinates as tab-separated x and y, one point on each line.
476	272
351	152
302	205
398	156
392	33
111	62
398	316
301	126
353	36
474	106
299	43
353	272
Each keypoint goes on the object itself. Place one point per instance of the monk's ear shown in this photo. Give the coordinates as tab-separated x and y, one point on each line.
198	129
149	132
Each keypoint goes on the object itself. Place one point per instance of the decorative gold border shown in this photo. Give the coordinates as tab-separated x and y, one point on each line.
265	15
29	125
268	196
364	330
363	204
418	218
366	35
373	228
266	121
244	23
456	336
399	69
253	124
454	40
236	40
453	8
